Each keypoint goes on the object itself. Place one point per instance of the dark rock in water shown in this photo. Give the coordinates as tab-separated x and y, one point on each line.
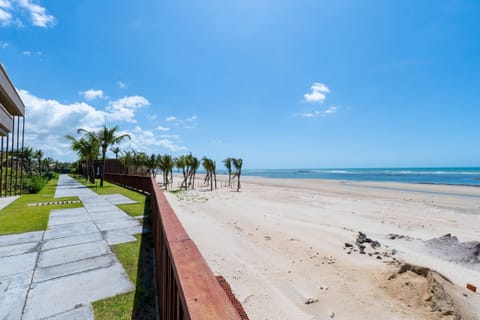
449	248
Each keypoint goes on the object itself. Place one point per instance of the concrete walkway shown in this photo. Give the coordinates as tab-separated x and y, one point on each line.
57	273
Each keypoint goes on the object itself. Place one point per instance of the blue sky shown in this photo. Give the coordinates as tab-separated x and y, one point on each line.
282	84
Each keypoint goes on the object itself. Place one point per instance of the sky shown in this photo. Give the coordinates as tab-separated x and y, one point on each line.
281	84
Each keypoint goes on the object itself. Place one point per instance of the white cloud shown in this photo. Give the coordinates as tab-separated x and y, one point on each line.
160	128
330	111
124	109
122	85
5	17
48	121
318	94
91	94
146	140
5	4
30	53
38	14
187	123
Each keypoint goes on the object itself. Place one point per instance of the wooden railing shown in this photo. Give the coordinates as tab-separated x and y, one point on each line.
186	286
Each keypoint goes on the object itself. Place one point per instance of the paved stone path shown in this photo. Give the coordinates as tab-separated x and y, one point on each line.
56	274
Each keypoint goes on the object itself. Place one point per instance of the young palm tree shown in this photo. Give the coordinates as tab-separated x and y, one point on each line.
237	163
87	150
127	160
107	137
207	165
181	163
152	164
116	151
27	160
194	165
46	164
139	161
228	164
38	154
166	163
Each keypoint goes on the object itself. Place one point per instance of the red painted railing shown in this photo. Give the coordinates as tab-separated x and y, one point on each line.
186	286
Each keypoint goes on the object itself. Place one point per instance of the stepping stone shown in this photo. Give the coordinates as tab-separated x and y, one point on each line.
16	249
18	263
70	241
65	269
21	238
119	199
58	295
68	254
70	230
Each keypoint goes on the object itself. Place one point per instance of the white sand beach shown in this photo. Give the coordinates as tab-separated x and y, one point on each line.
281	244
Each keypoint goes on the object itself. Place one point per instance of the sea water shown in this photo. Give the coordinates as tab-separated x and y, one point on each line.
461	176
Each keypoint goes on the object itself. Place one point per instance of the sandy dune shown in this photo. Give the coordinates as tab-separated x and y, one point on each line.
281	245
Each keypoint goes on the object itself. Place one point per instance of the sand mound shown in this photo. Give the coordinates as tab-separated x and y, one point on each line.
451	249
424	290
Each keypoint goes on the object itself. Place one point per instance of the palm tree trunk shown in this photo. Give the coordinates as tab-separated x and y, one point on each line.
193	185
215	177
211	181
92	172
238	181
229	178
103	167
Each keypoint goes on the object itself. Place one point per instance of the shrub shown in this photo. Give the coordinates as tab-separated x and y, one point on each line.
34	184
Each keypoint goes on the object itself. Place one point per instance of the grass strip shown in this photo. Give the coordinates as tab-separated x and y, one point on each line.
18	217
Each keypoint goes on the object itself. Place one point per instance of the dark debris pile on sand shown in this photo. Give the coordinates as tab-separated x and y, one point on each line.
453	250
367	246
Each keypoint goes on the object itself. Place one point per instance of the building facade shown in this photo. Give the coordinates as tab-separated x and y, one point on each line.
12	131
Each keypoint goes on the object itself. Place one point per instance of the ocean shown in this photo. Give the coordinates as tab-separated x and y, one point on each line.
458	176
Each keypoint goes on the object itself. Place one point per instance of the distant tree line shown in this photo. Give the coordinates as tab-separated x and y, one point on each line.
91	144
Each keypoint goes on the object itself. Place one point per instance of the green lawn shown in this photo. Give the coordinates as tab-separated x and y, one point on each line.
18	217
110	188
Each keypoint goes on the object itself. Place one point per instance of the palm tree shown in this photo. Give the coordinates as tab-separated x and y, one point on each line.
116	151
152	164
194	165
127	160
27	160
87	150
139	160
46	164
210	166
207	165
107	138
181	163
228	164
38	154
237	163
166	164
